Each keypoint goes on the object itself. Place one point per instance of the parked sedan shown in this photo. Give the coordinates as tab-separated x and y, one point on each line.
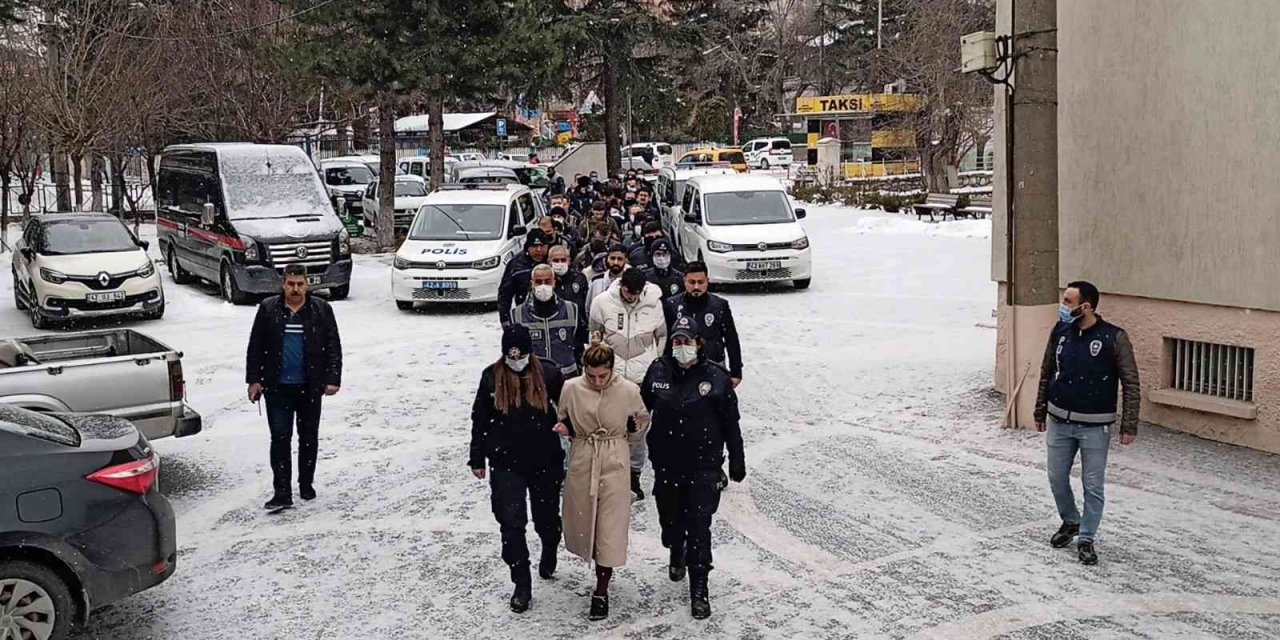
82	521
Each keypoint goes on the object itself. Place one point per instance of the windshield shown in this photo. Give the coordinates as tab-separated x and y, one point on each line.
348	176
533	177
276	185
482	179
748	207
459	222
406	188
86	236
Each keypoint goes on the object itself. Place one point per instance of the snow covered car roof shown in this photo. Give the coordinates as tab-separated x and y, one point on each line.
476	194
738	182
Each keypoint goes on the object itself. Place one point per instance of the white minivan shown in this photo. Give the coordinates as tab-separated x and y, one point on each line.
763	153
460	241
743	227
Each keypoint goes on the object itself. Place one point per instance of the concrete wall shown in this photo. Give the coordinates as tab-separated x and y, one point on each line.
1169	144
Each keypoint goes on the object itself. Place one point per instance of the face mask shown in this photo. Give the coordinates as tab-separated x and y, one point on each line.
685	354
1067	314
560	268
662	262
544	292
518	365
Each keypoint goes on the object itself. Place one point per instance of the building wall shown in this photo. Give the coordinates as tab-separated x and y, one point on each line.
1169	144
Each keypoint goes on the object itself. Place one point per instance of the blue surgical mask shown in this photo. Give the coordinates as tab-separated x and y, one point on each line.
1066	314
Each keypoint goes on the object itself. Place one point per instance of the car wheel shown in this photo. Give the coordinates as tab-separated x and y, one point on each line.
155	315
764	164
34	602
340	293
38	319
803	284
404	305
230	292
180	275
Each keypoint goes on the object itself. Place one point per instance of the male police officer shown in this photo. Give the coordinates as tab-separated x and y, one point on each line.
571	285
712	317
557	327
515	280
661	270
1084	362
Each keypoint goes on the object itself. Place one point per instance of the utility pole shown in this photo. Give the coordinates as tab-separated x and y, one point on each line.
880	24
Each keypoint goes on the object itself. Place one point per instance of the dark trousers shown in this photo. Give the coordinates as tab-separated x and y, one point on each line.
284	406
542	488
686	503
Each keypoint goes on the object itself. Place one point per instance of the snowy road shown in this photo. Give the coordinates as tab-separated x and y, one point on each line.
882	500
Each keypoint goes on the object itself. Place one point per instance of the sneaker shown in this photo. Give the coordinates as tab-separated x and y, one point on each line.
278	502
599	607
1066	533
307	493
1087	554
637	494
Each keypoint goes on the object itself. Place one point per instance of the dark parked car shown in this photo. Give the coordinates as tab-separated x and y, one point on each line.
82	521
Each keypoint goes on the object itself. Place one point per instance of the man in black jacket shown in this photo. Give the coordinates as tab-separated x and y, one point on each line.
571	285
294	358
661	269
1086	361
695	418
712	317
515	280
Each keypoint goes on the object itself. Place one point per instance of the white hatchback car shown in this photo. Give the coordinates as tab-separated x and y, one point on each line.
460	241
80	265
743	227
411	192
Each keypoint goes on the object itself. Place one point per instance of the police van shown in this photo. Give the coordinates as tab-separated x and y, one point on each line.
460	242
238	214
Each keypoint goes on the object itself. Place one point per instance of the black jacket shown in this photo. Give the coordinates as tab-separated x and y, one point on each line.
264	359
714	319
514	287
1081	375
572	287
669	280
695	417
521	440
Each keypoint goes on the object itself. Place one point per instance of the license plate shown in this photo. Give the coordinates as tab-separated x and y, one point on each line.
110	296
764	265
439	285
313	280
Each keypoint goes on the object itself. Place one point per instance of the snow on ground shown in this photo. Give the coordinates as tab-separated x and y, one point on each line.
882	499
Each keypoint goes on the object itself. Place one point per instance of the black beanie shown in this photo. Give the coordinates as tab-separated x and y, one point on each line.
516	342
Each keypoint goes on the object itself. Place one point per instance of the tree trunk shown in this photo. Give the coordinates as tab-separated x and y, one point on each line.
385	225
4	208
58	165
149	163
96	169
435	129
77	180
117	186
612	148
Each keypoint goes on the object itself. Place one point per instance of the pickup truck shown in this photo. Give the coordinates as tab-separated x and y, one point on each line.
118	372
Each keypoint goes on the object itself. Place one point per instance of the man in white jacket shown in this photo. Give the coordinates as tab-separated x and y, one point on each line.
630	320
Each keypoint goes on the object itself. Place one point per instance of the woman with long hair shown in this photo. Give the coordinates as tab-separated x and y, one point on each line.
604	414
512	422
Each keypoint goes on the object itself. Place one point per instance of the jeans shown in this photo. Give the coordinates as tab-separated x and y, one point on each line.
508	500
284	405
1092	441
685	506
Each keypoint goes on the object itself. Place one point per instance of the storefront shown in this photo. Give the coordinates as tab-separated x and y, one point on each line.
874	140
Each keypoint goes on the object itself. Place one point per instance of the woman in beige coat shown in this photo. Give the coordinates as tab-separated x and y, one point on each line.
604	414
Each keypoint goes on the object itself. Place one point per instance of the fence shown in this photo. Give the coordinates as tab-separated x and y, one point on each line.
45	198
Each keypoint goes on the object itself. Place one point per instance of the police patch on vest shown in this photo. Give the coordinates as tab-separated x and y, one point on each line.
704	388
674	288
709	319
564	335
1095	348
535	334
577	287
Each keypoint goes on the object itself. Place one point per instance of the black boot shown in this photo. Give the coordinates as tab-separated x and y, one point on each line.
547	564
599	607
1066	533
524	588
637	494
1087	554
677	569
699	600
279	501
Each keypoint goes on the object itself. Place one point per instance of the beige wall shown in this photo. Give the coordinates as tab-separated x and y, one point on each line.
1169	150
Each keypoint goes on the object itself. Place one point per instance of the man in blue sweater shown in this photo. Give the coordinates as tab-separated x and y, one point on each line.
1085	363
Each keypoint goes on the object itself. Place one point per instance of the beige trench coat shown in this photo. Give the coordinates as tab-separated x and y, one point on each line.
597	490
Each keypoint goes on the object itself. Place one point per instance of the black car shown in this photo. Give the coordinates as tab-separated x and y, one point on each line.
82	521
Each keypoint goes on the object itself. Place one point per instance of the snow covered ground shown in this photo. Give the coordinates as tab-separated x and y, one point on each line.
882	498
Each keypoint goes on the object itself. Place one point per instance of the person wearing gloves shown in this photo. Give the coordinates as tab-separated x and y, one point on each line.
662	271
694	419
605	416
629	319
512	429
515	280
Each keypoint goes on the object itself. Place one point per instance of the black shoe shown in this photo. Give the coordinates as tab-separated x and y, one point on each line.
699	600
677	570
599	607
278	502
1066	533
524	590
547	564
637	494
1087	554
307	492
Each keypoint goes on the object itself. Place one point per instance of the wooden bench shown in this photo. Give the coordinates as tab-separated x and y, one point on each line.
979	207
943	204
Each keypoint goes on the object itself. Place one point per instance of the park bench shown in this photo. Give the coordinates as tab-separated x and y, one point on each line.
979	207
936	204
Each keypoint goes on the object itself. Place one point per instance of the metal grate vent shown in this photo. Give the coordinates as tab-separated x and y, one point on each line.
1216	370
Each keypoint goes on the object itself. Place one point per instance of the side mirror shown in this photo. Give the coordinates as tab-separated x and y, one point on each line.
800	214
208	214
144	244
692	218
519	230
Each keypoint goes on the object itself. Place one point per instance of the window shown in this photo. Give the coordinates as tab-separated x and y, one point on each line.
348	176
100	235
664	149
748	207
782	145
405	188
1217	370
458	222
733	157
688	200
530	213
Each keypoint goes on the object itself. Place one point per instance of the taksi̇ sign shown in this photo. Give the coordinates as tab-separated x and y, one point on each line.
858	103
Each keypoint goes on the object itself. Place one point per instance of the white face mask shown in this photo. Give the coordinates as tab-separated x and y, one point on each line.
662	262
544	292
517	365
685	354
560	268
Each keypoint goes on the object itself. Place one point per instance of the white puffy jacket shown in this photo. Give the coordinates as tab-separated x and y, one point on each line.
636	332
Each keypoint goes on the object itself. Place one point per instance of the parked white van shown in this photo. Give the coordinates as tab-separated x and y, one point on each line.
460	241
763	153
744	228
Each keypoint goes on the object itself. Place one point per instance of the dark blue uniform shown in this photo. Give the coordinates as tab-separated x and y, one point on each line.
714	320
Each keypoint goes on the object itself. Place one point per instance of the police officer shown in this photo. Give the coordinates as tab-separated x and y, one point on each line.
571	284
511	428
558	327
712	317
1086	359
661	270
694	419
515	280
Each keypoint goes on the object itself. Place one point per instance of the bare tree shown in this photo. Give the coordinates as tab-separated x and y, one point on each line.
17	132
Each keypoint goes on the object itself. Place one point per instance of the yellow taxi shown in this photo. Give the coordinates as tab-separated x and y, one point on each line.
731	156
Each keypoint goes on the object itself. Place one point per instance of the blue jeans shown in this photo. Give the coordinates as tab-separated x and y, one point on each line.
284	406
1092	441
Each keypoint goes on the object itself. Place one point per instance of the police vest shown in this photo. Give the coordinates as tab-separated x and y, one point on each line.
709	321
554	337
1086	378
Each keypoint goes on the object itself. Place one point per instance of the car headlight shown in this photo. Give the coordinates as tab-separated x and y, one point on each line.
719	247
147	270
344	243
487	263
49	275
801	244
400	263
250	248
